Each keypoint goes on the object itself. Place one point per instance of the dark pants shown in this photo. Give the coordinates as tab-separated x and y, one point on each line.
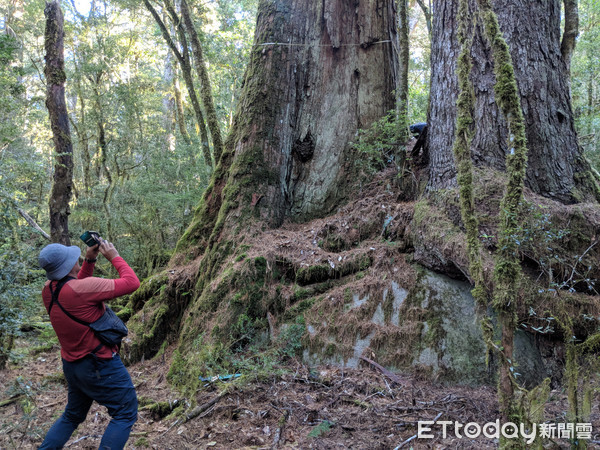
106	381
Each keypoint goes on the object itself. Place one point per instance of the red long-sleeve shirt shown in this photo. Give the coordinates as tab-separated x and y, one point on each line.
84	298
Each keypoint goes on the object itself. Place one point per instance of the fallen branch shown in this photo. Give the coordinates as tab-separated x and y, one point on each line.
279	433
196	412
82	438
416	435
51	404
33	223
11	400
383	370
200	409
406	441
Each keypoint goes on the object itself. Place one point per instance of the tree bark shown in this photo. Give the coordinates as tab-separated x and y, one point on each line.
54	71
205	89
404	56
317	74
557	168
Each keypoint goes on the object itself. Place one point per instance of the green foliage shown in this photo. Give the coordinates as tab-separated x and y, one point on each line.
20	282
20	287
378	146
419	67
321	430
139	185
290	339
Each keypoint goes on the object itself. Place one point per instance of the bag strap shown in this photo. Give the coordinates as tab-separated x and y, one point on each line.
55	293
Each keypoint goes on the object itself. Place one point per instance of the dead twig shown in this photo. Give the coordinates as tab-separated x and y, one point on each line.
406	441
82	438
279	433
392	376
200	409
11	400
33	223
416	435
197	411
52	404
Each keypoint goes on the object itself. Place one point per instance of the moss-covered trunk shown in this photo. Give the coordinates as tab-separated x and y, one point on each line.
556	166
54	71
205	89
318	72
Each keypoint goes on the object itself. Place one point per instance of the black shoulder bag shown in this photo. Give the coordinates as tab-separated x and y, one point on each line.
109	329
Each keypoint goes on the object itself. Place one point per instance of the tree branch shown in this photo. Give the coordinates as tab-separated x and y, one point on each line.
33	223
427	13
164	31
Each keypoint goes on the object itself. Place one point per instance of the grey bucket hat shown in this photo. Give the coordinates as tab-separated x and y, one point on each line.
58	260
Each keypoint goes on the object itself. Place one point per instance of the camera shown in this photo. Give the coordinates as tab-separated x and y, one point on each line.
90	238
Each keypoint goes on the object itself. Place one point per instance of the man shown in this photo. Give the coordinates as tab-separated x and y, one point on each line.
93	371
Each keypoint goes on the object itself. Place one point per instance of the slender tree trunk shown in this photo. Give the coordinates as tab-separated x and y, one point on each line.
186	69
85	149
62	186
180	111
83	138
570	33
107	197
557	168
427	13
205	89
590	96
168	105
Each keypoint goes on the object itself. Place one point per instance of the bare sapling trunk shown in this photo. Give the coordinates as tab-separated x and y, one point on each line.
570	33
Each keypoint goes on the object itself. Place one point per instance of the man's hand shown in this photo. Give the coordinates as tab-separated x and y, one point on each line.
92	252
108	250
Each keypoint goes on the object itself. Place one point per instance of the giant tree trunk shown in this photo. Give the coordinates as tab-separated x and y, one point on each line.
318	72
54	71
556	167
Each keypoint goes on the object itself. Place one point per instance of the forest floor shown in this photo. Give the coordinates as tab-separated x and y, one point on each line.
299	407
